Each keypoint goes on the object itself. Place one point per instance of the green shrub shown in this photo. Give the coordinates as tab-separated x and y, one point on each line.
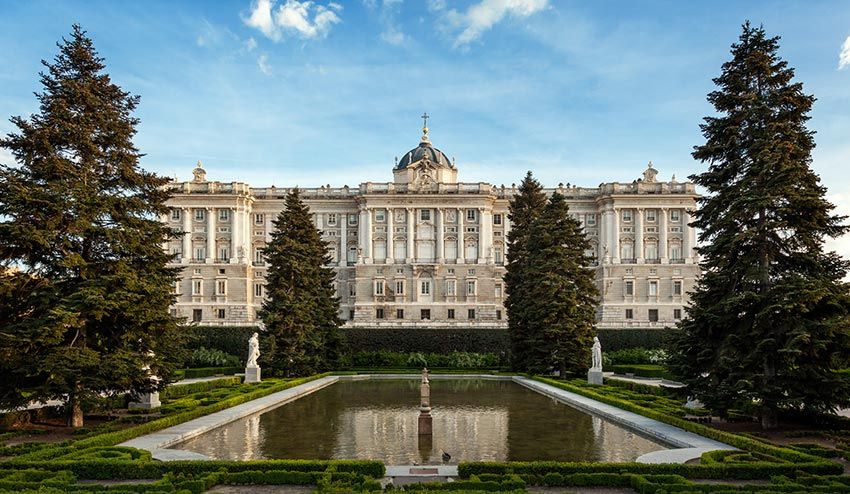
418	360
232	340
643	370
179	390
210	371
204	357
634	356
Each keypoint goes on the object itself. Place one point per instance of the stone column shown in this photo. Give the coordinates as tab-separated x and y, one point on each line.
343	240
615	239
438	248
369	247
187	235
506	224
486	236
210	235
235	241
411	230
662	236
689	238
361	236
639	212
602	227
390	233
461	232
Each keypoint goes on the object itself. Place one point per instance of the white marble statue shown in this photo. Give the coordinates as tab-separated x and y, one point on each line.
596	355
253	350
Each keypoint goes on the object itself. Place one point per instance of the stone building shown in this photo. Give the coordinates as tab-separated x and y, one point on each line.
427	250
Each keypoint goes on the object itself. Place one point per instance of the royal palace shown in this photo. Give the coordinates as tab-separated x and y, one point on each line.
427	250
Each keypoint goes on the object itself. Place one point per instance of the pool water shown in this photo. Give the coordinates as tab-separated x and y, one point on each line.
473	420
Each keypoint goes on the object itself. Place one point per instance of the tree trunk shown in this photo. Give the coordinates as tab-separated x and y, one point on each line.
769	418
75	410
563	370
75	414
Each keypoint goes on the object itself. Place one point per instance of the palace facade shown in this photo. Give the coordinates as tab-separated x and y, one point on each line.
427	250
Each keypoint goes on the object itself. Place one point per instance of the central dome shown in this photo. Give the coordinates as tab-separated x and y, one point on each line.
422	151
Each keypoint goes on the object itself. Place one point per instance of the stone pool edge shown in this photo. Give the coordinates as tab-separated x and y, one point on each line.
690	445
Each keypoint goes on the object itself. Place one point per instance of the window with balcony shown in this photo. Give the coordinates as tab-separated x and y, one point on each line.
675	215
650	215
627	216
223	214
200	253
199	215
259	219
471	214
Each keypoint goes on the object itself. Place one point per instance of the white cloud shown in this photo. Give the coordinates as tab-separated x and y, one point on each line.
393	36
436	5
250	44
263	64
844	56
484	15
304	19
261	18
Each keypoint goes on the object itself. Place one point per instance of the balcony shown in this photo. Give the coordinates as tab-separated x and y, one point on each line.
259	263
628	261
677	261
653	261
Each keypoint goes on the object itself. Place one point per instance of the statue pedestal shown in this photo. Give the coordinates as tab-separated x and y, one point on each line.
594	376
426	427
252	374
147	401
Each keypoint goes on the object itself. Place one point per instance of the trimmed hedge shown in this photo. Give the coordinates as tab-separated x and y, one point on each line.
228	339
493	340
210	371
643	370
179	390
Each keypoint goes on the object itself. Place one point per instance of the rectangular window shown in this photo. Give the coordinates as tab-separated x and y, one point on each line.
675	215
351	315
259	218
630	287
677	314
470	287
379	287
380	216
331	218
197	315
627	216
200	253
352	290
399	313
498	291
470	214
220	313
497	219
223	214
650	215
424	215
677	287
199	215
379	313
175	215
426	288
224	253
399	287
653	288
221	287
352	219
451	287
258	290
630	314
450	314
425	314
470	314
497	255
177	286
653	315
591	220
498	315
259	257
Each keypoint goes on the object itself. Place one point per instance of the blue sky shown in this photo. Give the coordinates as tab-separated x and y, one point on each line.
310	93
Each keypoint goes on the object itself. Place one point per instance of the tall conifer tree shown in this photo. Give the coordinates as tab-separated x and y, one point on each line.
524	208
80	219
561	292
769	317
301	312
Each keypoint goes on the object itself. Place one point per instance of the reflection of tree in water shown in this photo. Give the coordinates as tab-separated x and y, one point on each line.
473	420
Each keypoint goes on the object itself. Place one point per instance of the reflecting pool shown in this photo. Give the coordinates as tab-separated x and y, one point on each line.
473	420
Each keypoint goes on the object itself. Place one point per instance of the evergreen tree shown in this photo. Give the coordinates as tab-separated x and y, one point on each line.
561	292
80	220
301	312
768	321
524	208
